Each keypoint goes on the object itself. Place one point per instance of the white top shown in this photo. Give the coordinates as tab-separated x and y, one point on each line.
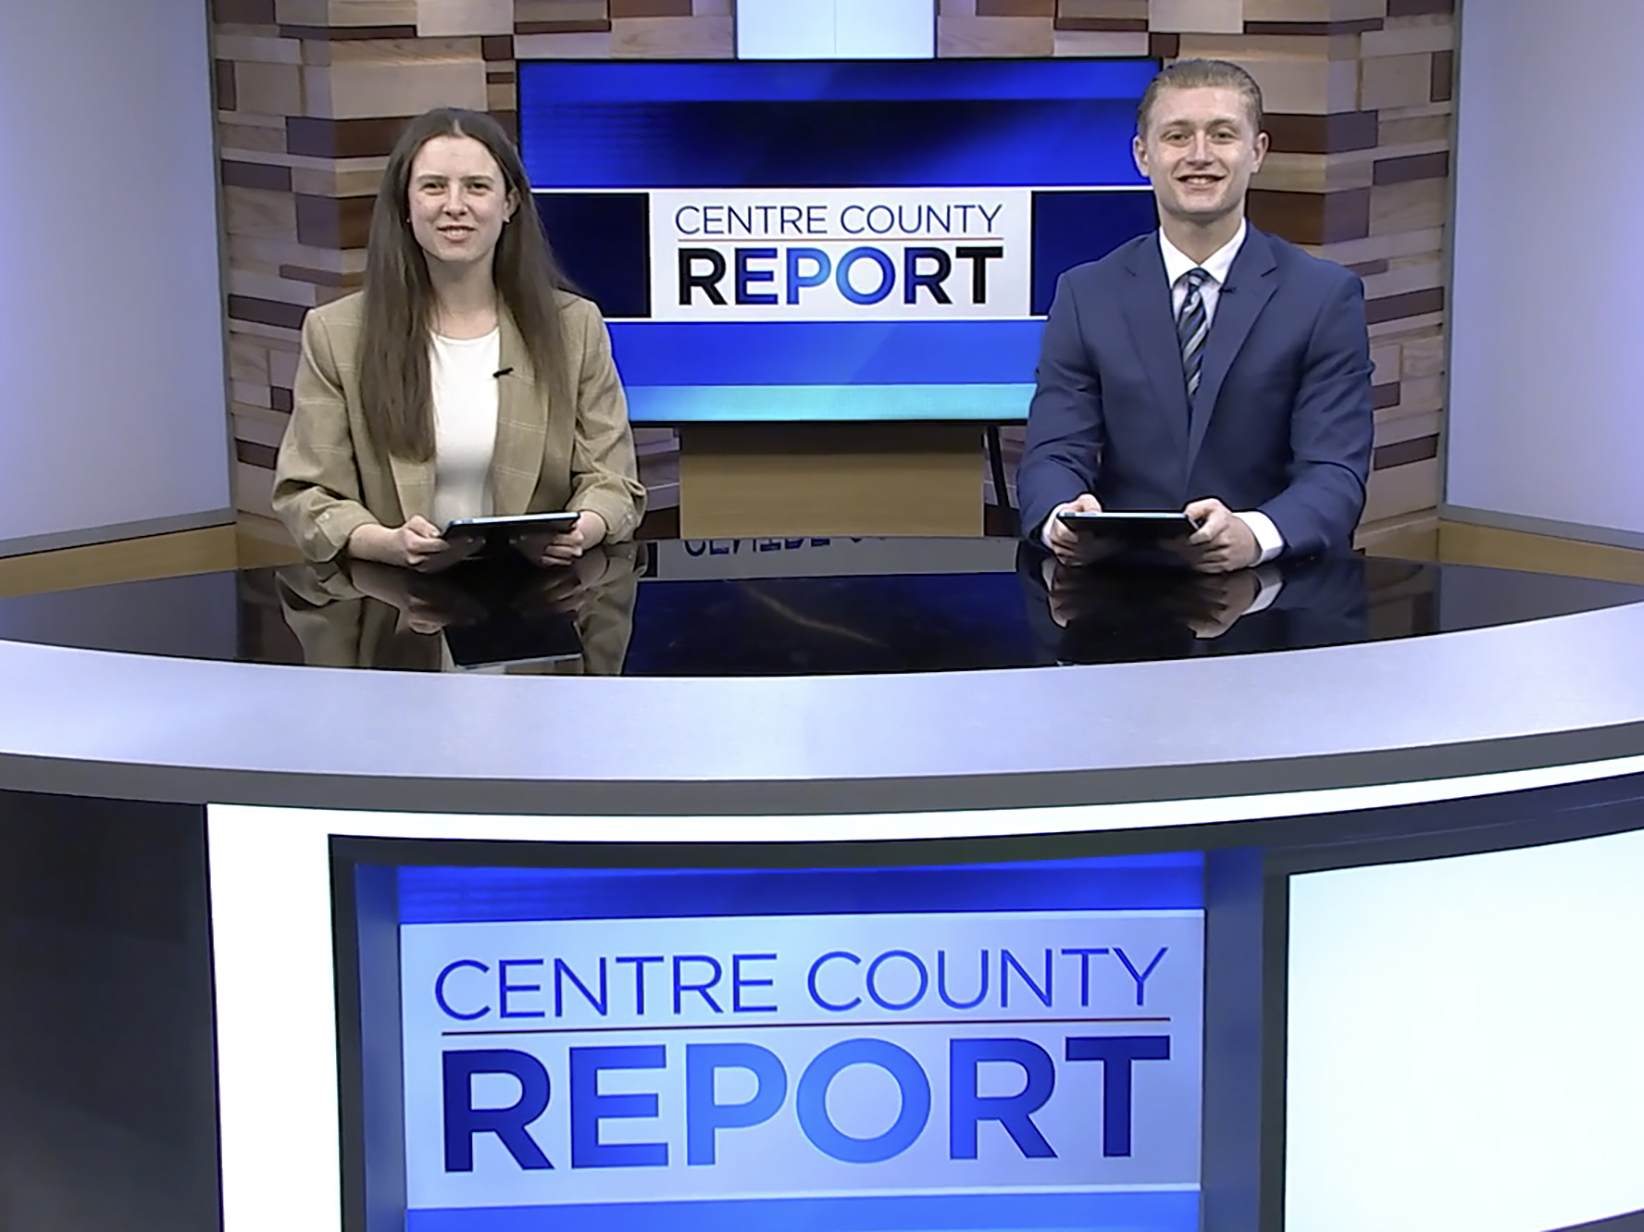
1177	264
465	424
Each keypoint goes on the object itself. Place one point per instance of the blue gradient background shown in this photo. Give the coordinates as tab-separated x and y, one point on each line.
888	123
597	136
450	895
1096	1212
463	894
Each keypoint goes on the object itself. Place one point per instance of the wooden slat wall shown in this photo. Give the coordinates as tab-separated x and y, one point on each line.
1359	101
311	94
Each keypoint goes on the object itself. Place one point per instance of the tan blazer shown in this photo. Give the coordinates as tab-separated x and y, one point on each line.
332	478
339	625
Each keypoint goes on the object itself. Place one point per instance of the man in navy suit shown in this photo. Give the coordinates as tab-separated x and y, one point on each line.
1208	366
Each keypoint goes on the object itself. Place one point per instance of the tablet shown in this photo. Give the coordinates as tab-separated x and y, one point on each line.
1133	527
500	532
509	638
508	623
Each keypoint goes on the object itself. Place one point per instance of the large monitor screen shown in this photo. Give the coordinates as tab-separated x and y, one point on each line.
839	241
1000	1046
1469	1025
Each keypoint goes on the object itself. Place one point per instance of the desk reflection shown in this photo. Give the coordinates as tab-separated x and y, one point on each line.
1123	612
574	620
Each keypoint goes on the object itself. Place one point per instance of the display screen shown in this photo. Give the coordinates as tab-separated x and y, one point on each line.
839	1022
859	241
1470	1025
1002	1046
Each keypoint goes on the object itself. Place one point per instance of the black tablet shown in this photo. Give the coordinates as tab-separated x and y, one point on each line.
494	538
1132	527
497	533
508	637
507	619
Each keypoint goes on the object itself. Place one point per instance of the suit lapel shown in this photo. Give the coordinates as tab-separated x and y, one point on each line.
1153	329
522	425
1250	284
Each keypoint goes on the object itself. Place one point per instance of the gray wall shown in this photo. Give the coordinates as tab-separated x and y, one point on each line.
836	29
1546	397
112	398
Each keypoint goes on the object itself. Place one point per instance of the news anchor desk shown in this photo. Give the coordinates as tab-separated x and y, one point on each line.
867	734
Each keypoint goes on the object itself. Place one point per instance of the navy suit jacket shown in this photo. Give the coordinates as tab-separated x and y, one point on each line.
1282	421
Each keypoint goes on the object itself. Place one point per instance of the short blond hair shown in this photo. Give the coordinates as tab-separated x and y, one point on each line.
1193	74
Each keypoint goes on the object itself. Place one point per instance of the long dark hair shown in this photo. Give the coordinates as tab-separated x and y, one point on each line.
395	384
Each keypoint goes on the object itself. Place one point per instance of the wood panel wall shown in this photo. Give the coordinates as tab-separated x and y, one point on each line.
311	94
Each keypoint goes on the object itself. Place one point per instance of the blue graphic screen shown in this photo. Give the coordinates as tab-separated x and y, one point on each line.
833	240
1007	1046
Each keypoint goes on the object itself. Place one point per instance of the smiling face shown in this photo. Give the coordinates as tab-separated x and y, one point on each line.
458	200
1199	152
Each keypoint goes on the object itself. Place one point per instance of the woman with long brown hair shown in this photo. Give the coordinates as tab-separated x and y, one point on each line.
466	379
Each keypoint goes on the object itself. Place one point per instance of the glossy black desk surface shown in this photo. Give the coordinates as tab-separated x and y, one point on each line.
785	607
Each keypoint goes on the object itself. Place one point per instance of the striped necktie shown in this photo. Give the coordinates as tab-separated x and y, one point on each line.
1192	327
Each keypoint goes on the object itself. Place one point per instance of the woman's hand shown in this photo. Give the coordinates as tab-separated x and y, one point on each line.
589	532
426	603
410	546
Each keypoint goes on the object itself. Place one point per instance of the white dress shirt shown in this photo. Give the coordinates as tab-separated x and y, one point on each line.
463	372
1177	264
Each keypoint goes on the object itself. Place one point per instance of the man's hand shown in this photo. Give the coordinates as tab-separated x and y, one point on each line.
589	532
1223	543
1220	601
1061	589
410	546
1070	547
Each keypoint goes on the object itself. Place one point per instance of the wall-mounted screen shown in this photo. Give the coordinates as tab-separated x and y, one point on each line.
1008	1046
831	241
1470	1026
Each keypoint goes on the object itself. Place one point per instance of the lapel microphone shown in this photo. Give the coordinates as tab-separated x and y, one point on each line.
501	372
